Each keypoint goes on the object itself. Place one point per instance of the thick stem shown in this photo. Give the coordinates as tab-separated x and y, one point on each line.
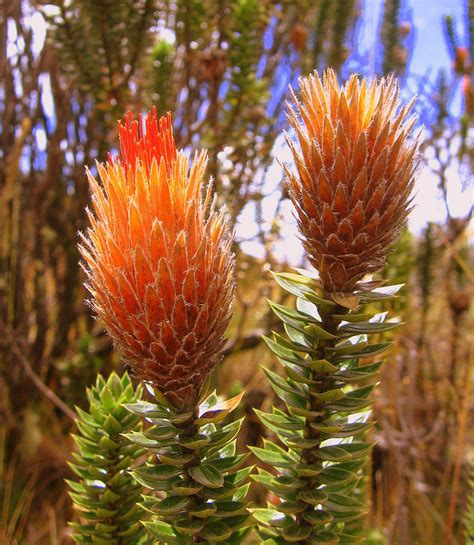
324	382
195	470
189	429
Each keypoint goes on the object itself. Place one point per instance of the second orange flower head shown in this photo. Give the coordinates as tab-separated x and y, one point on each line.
355	173
158	260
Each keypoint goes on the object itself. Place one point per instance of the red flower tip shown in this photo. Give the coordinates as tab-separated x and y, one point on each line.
145	141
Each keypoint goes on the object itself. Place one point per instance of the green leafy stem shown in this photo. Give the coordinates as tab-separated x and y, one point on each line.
106	496
321	453
198	491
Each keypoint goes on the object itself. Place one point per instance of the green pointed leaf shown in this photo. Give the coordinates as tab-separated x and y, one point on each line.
281	421
295	284
299	337
344	452
275	459
290	507
350	405
147	410
321	366
358	374
299	374
164	532
189	527
348	348
324	538
317	332
368	351
161	431
195	442
225	492
320	302
369	327
216	532
174	458
203	511
229	463
288	317
219	411
339	502
282	351
224	436
294	533
282	385
362	393
269	517
112	426
306	307
207	475
342	430
312	497
335	476
138	438
106	444
330	395
172	505
299	442
107	399
186	488
308	470
280	484
380	294
318	517
230	508
156	475
291	345
180	418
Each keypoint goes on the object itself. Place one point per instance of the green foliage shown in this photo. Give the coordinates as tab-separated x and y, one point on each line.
321	451
426	262
469	514
192	18
79	371
161	71
399	269
394	58
201	490
344	10
106	495
246	91
100	42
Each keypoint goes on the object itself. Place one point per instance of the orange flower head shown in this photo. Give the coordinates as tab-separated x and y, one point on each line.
158	259
355	166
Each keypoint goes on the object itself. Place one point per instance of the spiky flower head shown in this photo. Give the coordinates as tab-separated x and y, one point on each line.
355	166
158	259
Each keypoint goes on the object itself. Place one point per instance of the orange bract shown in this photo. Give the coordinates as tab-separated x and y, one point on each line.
354	178
155	142
158	259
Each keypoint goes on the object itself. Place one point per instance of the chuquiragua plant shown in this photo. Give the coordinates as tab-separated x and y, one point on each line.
106	496
161	274
355	164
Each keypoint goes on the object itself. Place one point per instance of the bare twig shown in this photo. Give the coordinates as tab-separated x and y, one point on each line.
44	389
